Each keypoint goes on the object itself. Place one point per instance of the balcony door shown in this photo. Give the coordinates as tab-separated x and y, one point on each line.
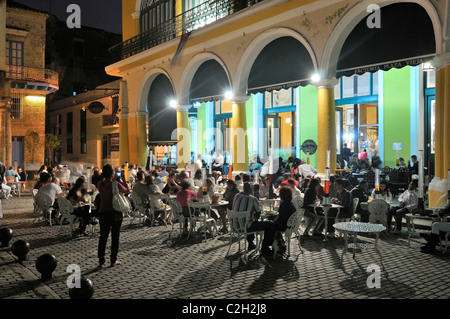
14	58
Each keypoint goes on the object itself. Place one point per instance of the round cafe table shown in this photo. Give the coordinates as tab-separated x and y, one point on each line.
325	209
220	203
354	228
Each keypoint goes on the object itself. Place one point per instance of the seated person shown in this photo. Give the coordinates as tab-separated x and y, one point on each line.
343	198
76	197
184	195
198	178
436	229
243	201
409	201
292	185
230	192
285	210
53	190
384	192
239	182
361	192
311	198
172	186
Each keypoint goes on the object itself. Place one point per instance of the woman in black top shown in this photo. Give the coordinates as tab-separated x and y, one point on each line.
228	195
76	197
285	210
309	199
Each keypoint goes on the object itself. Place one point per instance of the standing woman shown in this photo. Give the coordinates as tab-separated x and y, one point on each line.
110	220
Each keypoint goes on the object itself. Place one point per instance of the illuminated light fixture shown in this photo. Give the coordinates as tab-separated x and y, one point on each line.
173	103
228	95
36	98
315	77
197	105
288	120
427	67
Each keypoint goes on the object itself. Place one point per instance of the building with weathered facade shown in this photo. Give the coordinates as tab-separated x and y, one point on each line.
23	39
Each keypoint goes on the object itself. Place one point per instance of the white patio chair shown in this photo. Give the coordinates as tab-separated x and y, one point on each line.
178	216
378	209
36	210
66	210
293	225
355	217
201	213
140	211
239	222
445	245
44	202
158	204
297	201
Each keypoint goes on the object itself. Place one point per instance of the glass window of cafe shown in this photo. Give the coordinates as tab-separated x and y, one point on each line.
280	114
358	97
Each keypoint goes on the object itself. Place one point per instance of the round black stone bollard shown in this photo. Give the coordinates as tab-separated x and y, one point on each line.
46	264
6	234
86	290
21	248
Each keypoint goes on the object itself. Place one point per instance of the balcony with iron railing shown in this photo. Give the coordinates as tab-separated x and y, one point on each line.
30	74
190	20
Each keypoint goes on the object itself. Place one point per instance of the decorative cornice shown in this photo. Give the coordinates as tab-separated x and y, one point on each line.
326	83
240	98
441	60
183	108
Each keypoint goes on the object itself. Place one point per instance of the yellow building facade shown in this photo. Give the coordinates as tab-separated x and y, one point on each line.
231	38
22	50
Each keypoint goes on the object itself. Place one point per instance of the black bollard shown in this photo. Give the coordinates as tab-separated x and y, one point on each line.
86	290
46	264
6	234
21	248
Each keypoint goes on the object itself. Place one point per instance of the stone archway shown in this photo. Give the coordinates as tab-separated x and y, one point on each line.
349	21
254	49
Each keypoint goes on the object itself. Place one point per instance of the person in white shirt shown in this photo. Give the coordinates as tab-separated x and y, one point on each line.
306	170
218	162
294	189
408	203
265	169
163	173
132	174
53	190
384	192
198	164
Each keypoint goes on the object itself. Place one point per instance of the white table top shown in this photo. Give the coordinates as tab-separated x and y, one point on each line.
358	227
220	203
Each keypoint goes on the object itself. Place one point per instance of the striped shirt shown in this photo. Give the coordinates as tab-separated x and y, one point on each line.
245	202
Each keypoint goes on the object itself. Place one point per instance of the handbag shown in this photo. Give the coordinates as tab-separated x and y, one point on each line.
120	203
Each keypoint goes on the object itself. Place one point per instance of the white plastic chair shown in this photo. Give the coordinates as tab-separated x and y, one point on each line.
445	245
297	201
178	216
201	213
44	202
36	210
66	210
239	222
378	209
140	211
293	225
158	203
355	217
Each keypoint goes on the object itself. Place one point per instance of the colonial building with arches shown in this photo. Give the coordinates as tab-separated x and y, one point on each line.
370	74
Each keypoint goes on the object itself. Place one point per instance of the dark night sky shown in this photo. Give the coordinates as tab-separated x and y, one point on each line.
101	14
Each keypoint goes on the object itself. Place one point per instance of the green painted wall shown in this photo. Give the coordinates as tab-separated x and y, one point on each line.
396	99
249	118
201	127
308	118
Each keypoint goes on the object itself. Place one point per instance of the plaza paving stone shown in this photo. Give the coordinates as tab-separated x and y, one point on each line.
158	267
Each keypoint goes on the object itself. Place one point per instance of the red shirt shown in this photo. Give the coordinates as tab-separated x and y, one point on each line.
184	196
106	194
285	183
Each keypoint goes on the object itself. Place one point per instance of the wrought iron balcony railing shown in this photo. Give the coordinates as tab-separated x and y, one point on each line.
24	73
193	19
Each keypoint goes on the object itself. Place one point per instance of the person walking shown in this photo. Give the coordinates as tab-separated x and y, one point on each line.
110	220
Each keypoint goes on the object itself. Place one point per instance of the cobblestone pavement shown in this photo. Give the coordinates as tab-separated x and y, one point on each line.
158	267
